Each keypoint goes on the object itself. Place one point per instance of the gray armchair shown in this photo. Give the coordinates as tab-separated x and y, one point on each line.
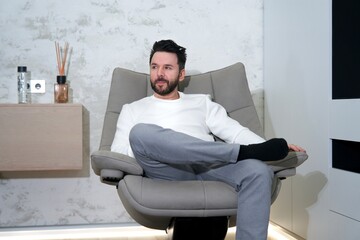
178	206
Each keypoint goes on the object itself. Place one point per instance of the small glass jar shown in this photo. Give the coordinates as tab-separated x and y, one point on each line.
61	90
23	85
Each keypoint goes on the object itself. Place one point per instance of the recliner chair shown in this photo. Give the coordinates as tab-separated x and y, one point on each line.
180	207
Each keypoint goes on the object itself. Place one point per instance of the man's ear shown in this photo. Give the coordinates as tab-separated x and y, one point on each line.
182	75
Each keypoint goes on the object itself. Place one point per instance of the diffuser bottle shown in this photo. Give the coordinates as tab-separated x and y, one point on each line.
61	90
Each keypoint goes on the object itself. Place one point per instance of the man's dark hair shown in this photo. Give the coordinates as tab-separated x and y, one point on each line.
171	47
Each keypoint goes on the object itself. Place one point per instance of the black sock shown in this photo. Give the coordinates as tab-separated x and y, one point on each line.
271	150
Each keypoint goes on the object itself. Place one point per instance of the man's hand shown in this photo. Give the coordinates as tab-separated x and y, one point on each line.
295	148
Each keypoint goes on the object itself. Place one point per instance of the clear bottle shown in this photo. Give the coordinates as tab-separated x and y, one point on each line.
23	85
61	90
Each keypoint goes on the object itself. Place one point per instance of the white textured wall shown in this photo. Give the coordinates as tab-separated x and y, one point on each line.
104	34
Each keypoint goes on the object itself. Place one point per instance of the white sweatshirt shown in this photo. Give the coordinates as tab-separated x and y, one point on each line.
192	114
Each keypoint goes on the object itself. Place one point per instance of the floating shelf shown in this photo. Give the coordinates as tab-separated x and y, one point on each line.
37	137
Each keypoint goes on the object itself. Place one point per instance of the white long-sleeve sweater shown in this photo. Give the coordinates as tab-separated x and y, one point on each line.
192	114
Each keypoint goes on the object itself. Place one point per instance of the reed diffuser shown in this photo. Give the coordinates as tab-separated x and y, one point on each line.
61	88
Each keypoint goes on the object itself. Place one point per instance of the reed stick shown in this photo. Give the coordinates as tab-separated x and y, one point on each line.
61	56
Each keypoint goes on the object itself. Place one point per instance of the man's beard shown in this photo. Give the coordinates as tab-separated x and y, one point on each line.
166	89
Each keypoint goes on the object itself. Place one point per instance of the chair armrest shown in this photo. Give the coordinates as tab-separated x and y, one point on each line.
287	167
114	161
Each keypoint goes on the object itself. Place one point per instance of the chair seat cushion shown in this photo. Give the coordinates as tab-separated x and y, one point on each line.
178	198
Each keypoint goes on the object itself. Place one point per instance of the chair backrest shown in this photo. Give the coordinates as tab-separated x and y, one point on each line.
227	86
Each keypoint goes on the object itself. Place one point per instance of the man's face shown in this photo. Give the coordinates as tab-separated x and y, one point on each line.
165	74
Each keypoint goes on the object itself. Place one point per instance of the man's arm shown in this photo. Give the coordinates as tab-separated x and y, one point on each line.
121	139
228	129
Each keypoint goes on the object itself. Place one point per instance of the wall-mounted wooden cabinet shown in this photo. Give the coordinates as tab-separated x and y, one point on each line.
41	137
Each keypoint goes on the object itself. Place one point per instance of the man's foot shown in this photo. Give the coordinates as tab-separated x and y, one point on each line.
271	150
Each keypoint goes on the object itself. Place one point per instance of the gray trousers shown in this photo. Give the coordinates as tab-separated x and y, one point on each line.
167	154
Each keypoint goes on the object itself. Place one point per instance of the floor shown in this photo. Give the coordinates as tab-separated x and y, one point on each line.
115	233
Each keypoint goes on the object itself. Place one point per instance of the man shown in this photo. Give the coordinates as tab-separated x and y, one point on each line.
171	136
